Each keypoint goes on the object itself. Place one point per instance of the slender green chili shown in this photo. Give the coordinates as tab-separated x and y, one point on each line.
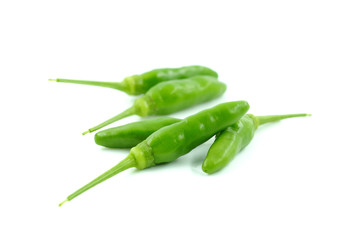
139	84
171	96
173	141
129	135
234	138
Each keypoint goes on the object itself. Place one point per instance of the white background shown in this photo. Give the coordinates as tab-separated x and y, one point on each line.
294	181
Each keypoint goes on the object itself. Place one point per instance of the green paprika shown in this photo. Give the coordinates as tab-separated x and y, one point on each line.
139	84
234	138
171	96
175	140
129	135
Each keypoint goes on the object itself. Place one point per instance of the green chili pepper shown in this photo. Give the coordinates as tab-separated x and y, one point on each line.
173	141
233	139
139	84
171	96
129	135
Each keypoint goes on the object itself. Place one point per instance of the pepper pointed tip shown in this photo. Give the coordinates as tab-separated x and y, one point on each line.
52	79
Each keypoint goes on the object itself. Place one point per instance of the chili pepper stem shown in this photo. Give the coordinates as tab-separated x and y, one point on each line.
128	112
125	164
115	85
60	204
273	118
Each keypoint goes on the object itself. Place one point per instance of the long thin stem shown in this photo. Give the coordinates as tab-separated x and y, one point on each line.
128	112
115	85
126	163
60	204
272	118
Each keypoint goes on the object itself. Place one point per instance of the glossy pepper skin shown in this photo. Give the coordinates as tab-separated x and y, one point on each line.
138	84
131	134
141	83
228	143
171	96
175	140
234	138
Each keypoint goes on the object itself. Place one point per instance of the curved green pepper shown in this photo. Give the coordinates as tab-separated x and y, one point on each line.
171	96
234	138
139	84
129	135
173	141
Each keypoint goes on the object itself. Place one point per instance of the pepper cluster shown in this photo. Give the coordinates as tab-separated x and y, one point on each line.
164	139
